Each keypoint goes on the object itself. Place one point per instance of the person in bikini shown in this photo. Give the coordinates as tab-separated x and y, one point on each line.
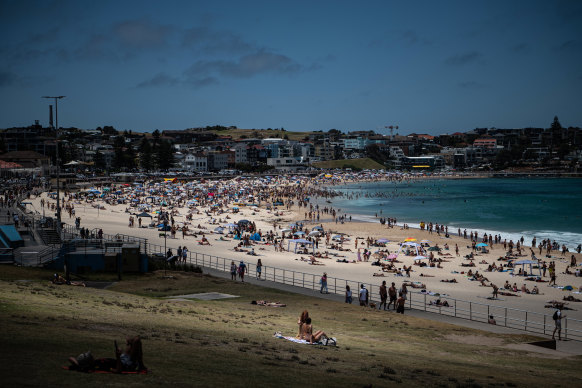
308	334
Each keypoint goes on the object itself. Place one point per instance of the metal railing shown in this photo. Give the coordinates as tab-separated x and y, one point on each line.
528	321
513	318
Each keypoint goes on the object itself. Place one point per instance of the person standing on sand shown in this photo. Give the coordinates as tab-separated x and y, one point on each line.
457	249
495	291
383	295
552	278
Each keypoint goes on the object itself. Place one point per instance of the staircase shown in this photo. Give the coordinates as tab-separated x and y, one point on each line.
49	236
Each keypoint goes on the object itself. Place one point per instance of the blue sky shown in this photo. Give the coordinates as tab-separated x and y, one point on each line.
427	66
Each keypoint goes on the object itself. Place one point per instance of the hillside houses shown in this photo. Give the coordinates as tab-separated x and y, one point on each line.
203	150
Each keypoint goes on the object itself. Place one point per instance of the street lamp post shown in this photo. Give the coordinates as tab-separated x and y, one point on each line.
57	98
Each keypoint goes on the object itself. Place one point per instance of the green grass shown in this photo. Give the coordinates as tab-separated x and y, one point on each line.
230	342
364	163
261	133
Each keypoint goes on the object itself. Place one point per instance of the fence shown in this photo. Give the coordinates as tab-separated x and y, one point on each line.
528	321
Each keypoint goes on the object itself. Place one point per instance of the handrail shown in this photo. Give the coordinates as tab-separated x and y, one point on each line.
533	322
475	311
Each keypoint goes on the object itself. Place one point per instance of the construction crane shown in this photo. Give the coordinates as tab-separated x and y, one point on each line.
392	128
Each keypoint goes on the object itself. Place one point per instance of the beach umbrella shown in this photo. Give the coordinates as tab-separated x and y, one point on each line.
425	241
434	249
318	228
299	233
392	256
482	245
420	258
286	230
383	240
144	214
409	239
230	225
315	233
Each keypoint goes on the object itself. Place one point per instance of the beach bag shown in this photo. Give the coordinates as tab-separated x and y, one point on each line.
555	316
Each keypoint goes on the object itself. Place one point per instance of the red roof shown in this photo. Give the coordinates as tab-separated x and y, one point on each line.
4	164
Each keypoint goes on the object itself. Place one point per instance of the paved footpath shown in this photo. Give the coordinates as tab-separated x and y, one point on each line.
563	348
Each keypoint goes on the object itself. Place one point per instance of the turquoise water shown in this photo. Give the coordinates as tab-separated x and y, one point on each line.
545	208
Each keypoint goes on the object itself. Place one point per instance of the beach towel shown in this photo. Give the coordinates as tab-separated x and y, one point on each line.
326	342
140	372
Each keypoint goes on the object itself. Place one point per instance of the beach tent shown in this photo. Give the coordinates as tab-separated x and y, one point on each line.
409	245
300	241
219	229
256	237
525	262
144	214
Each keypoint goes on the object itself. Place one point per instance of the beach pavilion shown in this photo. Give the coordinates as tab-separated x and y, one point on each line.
525	262
301	241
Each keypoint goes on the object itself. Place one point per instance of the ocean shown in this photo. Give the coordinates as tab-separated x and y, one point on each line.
541	207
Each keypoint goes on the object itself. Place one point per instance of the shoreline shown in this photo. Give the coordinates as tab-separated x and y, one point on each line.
569	238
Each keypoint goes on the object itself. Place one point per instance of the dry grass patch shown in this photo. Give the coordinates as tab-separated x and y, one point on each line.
229	341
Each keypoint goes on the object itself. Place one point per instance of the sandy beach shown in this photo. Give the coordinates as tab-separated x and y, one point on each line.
113	218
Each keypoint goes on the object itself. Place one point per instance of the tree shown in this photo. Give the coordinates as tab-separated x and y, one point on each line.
99	161
145	155
164	155
156	136
373	151
556	126
109	130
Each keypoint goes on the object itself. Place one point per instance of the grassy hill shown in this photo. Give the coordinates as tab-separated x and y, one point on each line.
230	342
364	163
261	133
